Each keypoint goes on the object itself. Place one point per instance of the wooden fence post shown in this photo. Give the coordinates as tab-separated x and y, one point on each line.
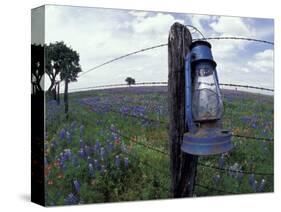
183	166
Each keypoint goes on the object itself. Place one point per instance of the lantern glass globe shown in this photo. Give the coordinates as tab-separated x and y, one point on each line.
206	100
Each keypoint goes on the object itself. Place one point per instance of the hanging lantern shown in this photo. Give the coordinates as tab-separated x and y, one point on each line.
203	104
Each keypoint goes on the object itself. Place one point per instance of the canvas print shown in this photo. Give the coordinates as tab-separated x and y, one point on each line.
132	105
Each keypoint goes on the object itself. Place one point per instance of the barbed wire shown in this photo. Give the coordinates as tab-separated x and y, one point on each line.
235	171
148	146
237	38
252	137
119	85
165	122
123	56
165	44
166	83
246	86
215	189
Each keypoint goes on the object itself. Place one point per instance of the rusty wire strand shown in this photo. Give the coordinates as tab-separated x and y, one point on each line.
235	171
215	189
148	146
237	38
165	44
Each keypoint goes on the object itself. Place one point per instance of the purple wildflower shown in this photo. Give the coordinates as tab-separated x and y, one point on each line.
102	153
221	161
97	165
97	145
62	134
91	169
68	137
117	161
110	146
254	186
73	125
81	143
76	185
103	169
67	153
126	162
217	179
82	153
251	179
75	161
89	159
71	199
261	186
123	147
81	130
53	144
87	150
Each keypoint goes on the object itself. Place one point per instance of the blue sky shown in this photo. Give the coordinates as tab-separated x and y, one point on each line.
102	34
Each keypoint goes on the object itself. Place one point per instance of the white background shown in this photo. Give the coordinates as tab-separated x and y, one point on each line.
15	105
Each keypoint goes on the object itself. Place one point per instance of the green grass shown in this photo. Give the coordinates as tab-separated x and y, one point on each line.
148	174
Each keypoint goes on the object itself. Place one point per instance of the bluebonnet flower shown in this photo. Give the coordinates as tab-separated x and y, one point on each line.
126	162
73	125
87	149
76	185
81	143
251	179
103	169
81	130
97	146
97	165
102	153
217	179
90	160
110	146
53	144
239	176
123	147
62	134
117	161
236	172
67	153
254	186
71	199
82	153
221	161
91	170
68	137
261	186
75	161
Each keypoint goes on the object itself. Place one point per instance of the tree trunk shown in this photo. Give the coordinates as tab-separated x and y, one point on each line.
66	98
58	94
183	166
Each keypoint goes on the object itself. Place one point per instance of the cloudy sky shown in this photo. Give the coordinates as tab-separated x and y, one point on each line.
103	34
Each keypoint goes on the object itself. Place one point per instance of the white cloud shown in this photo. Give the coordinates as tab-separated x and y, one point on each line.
233	26
262	62
103	34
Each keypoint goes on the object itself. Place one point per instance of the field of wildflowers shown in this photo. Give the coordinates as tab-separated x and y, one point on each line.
114	147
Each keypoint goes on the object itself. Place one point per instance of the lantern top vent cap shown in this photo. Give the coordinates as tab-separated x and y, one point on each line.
200	43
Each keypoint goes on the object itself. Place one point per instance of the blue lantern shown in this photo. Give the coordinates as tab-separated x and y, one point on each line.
203	104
